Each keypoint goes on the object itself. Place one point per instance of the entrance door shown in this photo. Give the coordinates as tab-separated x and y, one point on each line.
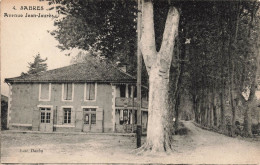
89	118
46	124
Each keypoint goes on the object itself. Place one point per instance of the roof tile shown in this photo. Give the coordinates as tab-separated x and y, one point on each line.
93	70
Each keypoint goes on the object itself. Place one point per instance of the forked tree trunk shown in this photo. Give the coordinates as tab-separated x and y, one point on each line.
160	122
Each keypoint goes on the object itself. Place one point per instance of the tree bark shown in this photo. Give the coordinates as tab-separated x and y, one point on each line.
160	122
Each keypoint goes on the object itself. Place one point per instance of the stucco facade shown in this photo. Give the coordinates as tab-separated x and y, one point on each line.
24	110
94	96
26	105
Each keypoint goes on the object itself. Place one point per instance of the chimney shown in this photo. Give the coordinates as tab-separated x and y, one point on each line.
123	68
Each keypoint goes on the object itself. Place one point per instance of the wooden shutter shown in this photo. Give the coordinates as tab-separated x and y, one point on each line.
67	91
36	119
60	116
92	91
99	113
44	91
87	91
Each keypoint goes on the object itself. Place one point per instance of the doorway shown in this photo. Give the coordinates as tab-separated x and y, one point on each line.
89	118
46	119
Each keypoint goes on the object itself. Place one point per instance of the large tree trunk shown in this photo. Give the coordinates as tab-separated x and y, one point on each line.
160	122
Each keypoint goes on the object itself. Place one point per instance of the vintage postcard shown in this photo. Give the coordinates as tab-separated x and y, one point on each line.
138	81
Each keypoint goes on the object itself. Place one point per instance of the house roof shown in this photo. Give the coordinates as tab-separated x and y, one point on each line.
93	70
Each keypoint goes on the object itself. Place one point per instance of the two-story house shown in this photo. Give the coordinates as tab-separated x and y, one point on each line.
87	97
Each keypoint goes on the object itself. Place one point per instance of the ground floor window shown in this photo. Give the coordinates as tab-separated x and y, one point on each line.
125	116
67	115
45	115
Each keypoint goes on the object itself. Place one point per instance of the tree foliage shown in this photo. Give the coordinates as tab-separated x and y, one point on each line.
217	49
37	66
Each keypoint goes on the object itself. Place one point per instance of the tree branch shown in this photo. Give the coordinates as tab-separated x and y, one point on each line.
147	43
169	35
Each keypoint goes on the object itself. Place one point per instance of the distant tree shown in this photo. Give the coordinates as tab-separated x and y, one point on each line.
37	66
83	56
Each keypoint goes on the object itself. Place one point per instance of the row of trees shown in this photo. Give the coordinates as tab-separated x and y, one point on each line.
222	63
206	50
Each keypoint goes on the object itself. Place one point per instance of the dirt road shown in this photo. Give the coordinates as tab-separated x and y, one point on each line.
198	146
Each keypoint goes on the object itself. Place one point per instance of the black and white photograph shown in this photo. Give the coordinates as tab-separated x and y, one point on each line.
130	81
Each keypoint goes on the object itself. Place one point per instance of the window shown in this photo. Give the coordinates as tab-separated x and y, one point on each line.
90	91
122	90
93	118
45	92
45	115
135	92
124	117
86	120
129	91
67	115
67	91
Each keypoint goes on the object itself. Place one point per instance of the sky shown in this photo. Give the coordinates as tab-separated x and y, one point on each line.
24	37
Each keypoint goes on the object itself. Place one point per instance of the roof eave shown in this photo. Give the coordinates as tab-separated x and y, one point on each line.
75	81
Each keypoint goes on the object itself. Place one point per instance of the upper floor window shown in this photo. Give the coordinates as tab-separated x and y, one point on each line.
45	92
67	92
90	91
122	90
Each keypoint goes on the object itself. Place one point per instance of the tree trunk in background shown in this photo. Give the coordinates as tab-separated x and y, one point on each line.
195	107
233	108
160	121
214	108
250	104
210	113
222	110
247	132
177	107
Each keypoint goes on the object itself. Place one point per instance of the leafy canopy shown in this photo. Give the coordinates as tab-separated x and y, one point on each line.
37	66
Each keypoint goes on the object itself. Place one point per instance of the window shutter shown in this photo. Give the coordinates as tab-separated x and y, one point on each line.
99	114
121	114
87	91
36	119
44	91
60	117
67	91
92	91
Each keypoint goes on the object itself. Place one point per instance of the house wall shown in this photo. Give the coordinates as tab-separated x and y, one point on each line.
24	99
24	110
